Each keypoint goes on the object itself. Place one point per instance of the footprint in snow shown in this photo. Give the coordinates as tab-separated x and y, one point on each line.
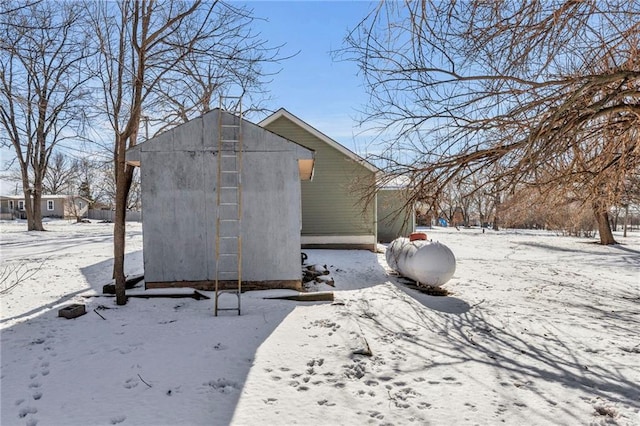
354	371
118	419
315	362
424	405
223	385
130	383
24	411
376	414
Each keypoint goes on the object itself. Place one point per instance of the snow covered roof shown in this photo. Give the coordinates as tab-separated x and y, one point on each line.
394	182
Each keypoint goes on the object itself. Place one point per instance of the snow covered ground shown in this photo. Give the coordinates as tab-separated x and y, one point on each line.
538	330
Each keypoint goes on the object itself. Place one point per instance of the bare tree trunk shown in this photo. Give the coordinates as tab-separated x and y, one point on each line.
28	208
37	201
496	219
604	227
33	209
37	211
124	176
118	245
626	220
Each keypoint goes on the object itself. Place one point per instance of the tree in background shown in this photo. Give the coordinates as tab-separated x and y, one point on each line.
542	94
62	175
235	61
43	63
145	47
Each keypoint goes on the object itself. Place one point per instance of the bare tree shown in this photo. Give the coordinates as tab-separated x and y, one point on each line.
542	93
144	46
43	54
62	174
234	62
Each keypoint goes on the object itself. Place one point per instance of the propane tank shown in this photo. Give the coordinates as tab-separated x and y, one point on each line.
426	262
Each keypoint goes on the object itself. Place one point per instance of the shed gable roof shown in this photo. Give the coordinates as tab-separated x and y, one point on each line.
283	113
194	135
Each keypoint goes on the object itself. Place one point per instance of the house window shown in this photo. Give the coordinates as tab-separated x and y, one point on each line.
21	205
49	205
80	205
10	204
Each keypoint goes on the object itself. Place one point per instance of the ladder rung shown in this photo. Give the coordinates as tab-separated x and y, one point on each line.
230	140
230	171
231	125
229	187
229	155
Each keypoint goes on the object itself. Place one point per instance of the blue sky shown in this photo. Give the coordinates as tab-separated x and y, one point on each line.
324	93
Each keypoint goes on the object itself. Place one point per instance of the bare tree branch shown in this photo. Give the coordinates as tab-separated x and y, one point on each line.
538	93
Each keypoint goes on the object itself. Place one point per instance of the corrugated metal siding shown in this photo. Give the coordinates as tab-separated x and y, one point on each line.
179	197
330	201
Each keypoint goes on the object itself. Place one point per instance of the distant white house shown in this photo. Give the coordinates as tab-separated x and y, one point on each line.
57	206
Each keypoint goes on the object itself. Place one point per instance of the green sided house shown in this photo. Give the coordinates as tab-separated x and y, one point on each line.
333	212
396	213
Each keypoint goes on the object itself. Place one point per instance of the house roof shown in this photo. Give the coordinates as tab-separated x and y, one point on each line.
389	182
318	134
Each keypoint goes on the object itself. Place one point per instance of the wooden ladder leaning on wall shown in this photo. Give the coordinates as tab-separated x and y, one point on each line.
229	203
